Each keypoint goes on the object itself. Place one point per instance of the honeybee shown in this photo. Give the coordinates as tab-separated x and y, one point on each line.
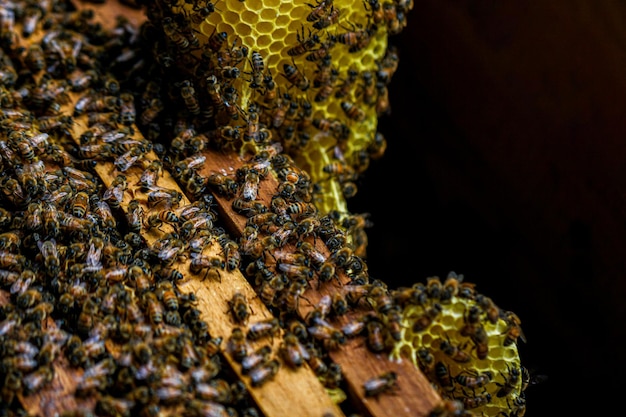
353	111
510	382
301	209
169	198
224	184
255	359
443	376
388	66
331	337
10	241
239	307
174	34
249	208
237	345
381	299
151	111
11	261
319	10
49	252
270	289
476	332
456	353
263	373
294	272
114	194
304	44
424	320
514	330
471	379
213	264
250	187
295	77
292	351
530	378
330	18
188	93
384	383
201	12
477	400
34	381
217	40
518	407
376	332
215	391
264	328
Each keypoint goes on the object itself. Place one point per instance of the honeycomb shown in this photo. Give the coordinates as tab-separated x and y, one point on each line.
330	116
439	336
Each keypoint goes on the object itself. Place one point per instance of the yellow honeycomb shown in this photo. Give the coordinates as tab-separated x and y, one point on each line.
480	382
343	90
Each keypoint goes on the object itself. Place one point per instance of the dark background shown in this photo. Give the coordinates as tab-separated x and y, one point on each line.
506	163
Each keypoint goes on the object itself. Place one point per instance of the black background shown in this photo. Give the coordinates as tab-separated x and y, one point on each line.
440	203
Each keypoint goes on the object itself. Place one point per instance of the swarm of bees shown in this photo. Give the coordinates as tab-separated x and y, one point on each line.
76	275
318	89
465	344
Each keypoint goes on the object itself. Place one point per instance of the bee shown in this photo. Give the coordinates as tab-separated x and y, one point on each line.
331	18
319	10
292	351
304	44
252	132
129	158
80	204
10	241
35	59
270	289
239	307
353	111
36	380
213	265
255	359
217	40
263	373
301	209
424	320
388	65
174	34
237	345
331	338
295	77
224	184
127	112
169	198
376	332
456	353
151	111
530	378
510	382
514	330
442	374
384	383
477	401
518	407
214	90
114	194
249	208
50	254
50	218
250	187
296	271
150	176
201	13
476	332
471	379
264	328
